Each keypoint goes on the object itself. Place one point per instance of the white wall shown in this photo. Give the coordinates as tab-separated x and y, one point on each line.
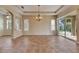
41	27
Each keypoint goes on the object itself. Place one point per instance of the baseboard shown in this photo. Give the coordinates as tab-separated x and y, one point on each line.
5	35
39	35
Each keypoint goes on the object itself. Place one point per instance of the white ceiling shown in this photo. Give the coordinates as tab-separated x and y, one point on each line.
45	8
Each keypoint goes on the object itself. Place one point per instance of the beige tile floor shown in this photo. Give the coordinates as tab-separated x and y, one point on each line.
38	44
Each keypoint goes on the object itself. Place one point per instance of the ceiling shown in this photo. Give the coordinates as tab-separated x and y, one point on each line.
44	9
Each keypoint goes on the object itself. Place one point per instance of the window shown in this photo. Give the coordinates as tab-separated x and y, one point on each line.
8	24
1	23
17	24
52	25
26	25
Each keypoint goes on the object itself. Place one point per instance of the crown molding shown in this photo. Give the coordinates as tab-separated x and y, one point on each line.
41	12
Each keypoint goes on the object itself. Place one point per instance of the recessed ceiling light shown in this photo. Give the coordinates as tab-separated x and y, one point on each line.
22	7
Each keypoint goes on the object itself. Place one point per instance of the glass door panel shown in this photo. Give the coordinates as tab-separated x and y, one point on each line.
61	28
70	28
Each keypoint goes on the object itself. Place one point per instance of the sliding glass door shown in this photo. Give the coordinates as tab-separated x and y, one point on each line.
67	27
71	27
60	26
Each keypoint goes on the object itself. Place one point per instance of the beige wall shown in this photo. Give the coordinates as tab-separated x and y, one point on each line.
42	27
